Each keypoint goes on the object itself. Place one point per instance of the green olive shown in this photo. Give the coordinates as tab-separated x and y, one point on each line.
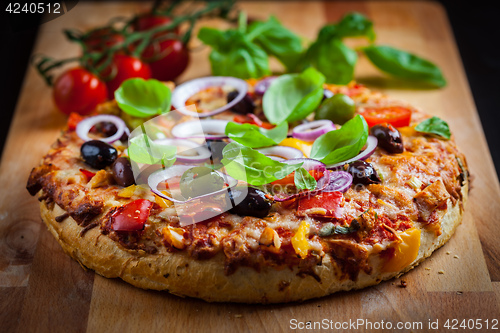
339	108
200	180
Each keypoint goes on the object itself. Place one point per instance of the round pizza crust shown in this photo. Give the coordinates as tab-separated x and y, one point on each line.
181	275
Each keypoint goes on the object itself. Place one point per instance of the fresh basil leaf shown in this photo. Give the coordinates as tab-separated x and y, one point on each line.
247	164
404	65
293	97
303	180
342	144
143	150
355	25
277	41
334	59
143	98
256	137
233	54
434	125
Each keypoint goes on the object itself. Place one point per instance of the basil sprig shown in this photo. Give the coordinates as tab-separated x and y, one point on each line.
256	137
404	65
293	97
143	150
303	180
342	144
434	125
233	54
143	98
247	164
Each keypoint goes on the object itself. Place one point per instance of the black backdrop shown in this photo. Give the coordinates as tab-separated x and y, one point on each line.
475	25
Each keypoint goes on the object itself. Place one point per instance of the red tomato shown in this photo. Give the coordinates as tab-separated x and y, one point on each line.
73	120
88	174
252	119
102	39
132	216
149	21
78	90
397	116
328	200
167	59
122	68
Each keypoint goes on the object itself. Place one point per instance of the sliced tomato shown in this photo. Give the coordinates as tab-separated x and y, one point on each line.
290	179
88	174
132	216
73	120
397	116
247	119
330	201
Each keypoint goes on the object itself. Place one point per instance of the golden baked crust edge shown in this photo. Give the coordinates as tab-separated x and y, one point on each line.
181	275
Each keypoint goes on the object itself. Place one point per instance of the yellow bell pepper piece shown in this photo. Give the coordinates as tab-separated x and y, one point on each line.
299	240
127	192
301	145
163	203
174	236
406	251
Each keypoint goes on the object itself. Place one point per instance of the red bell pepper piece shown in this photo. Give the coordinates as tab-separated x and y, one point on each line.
132	216
330	201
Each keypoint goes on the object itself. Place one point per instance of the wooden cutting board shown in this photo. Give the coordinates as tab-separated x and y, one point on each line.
42	289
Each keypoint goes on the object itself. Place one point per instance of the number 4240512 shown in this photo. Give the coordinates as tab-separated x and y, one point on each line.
471	324
32	8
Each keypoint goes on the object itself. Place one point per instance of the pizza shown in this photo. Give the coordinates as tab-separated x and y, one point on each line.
315	229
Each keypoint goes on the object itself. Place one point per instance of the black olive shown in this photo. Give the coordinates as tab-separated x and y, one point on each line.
249	201
388	137
216	147
122	172
246	105
98	154
363	173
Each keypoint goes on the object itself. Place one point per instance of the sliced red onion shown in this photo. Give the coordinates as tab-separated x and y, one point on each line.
199	128
84	126
261	86
371	145
184	91
203	153
313	130
339	181
327	93
281	151
176	171
308	164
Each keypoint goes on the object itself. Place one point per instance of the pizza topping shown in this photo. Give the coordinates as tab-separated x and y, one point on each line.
270	239
98	154
132	216
371	145
313	130
262	86
213	129
101	178
388	137
330	229
245	106
435	126
325	204
300	241
254	136
122	172
280	153
175	237
184	91
406	250
339	108
339	181
303	146
200	180
363	173
397	116
431	198
250	201
83	128
187	151
88	174
143	98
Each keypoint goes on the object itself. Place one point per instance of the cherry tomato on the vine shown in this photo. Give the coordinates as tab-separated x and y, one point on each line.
102	39
78	90
167	59
150	21
122	68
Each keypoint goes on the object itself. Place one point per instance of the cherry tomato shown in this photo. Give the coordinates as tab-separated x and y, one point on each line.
328	200
132	216
397	116
252	119
149	21
78	90
167	59
102	39
122	68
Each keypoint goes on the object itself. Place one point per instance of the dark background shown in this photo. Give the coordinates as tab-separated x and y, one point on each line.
475	26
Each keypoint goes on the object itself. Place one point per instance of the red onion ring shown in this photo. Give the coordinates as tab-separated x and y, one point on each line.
203	152
309	164
198	128
182	93
313	130
327	93
84	126
281	151
339	181
371	145
177	170
261	86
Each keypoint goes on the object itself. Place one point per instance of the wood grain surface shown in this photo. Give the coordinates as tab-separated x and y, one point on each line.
42	289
